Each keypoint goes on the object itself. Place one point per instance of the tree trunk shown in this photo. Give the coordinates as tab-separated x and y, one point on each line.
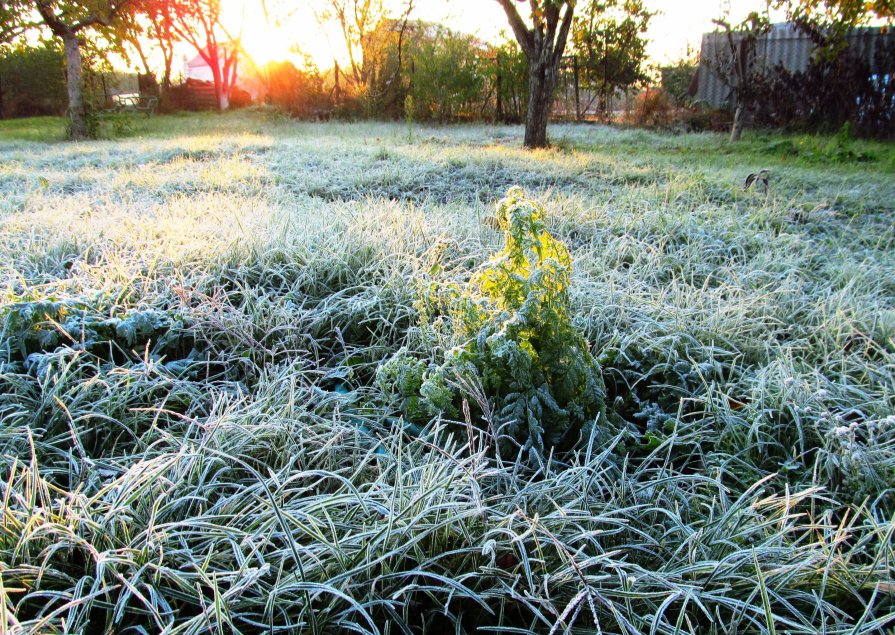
220	91
76	112
223	99
166	78
541	82
736	130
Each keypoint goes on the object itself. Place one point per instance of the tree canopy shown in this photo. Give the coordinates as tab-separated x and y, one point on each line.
828	21
67	20
609	39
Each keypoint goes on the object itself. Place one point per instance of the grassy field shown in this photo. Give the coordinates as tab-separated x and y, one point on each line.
193	438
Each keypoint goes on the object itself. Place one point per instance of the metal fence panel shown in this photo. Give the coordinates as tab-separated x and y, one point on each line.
784	46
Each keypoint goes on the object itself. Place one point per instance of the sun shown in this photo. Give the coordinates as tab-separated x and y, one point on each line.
265	39
261	39
264	47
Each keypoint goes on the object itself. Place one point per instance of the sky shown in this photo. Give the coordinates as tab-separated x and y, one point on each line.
677	25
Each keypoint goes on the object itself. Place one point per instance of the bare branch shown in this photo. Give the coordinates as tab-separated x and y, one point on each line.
524	36
564	33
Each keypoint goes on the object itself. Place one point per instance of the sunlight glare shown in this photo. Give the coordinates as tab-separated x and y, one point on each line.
675	27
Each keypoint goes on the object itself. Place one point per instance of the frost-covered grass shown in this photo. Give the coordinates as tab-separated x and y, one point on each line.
192	438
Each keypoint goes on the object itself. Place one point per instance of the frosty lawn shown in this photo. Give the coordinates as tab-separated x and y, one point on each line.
192	437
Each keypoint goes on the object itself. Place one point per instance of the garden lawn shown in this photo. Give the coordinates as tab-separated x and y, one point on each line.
193	438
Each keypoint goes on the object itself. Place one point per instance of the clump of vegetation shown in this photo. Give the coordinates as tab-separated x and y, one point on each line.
33	81
653	109
513	335
32	329
298	92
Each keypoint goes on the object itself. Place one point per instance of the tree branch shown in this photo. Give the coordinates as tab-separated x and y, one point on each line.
57	26
524	36
564	33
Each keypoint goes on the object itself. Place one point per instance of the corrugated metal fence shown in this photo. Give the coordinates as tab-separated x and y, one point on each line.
783	45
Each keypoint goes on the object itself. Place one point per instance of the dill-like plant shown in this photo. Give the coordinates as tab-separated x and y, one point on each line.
513	334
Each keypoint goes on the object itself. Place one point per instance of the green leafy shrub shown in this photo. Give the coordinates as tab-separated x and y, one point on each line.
448	79
32	81
513	334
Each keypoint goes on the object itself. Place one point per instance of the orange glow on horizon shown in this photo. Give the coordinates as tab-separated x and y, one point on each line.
676	26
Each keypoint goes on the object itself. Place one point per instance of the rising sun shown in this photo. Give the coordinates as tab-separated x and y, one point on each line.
259	35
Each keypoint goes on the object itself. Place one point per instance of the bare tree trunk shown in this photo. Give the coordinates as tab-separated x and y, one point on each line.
230	74
166	78
541	82
223	97
736	130
220	90
76	112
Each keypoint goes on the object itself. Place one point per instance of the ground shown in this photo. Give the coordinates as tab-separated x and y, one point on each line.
193	437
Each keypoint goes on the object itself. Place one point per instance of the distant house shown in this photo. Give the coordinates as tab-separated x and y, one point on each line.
197	69
199	80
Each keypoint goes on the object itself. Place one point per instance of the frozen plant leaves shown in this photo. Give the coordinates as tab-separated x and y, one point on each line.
512	333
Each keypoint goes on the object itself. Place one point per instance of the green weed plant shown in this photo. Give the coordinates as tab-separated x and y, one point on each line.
513	335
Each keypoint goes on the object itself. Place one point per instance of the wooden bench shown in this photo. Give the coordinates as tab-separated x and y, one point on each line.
149	107
133	104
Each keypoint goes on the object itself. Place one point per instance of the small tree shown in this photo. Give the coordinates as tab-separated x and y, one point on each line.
67	20
609	38
198	23
366	36
152	28
543	44
736	64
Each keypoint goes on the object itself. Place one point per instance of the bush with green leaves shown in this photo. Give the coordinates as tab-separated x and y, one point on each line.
32	81
447	81
510	78
513	337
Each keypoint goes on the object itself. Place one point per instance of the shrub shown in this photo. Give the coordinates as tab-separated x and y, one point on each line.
510	70
513	336
32	82
298	92
447	81
652	109
830	93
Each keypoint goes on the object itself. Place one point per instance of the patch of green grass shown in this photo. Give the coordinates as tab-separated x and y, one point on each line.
193	438
33	129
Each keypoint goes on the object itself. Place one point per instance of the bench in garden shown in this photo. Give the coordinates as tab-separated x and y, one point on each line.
133	104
